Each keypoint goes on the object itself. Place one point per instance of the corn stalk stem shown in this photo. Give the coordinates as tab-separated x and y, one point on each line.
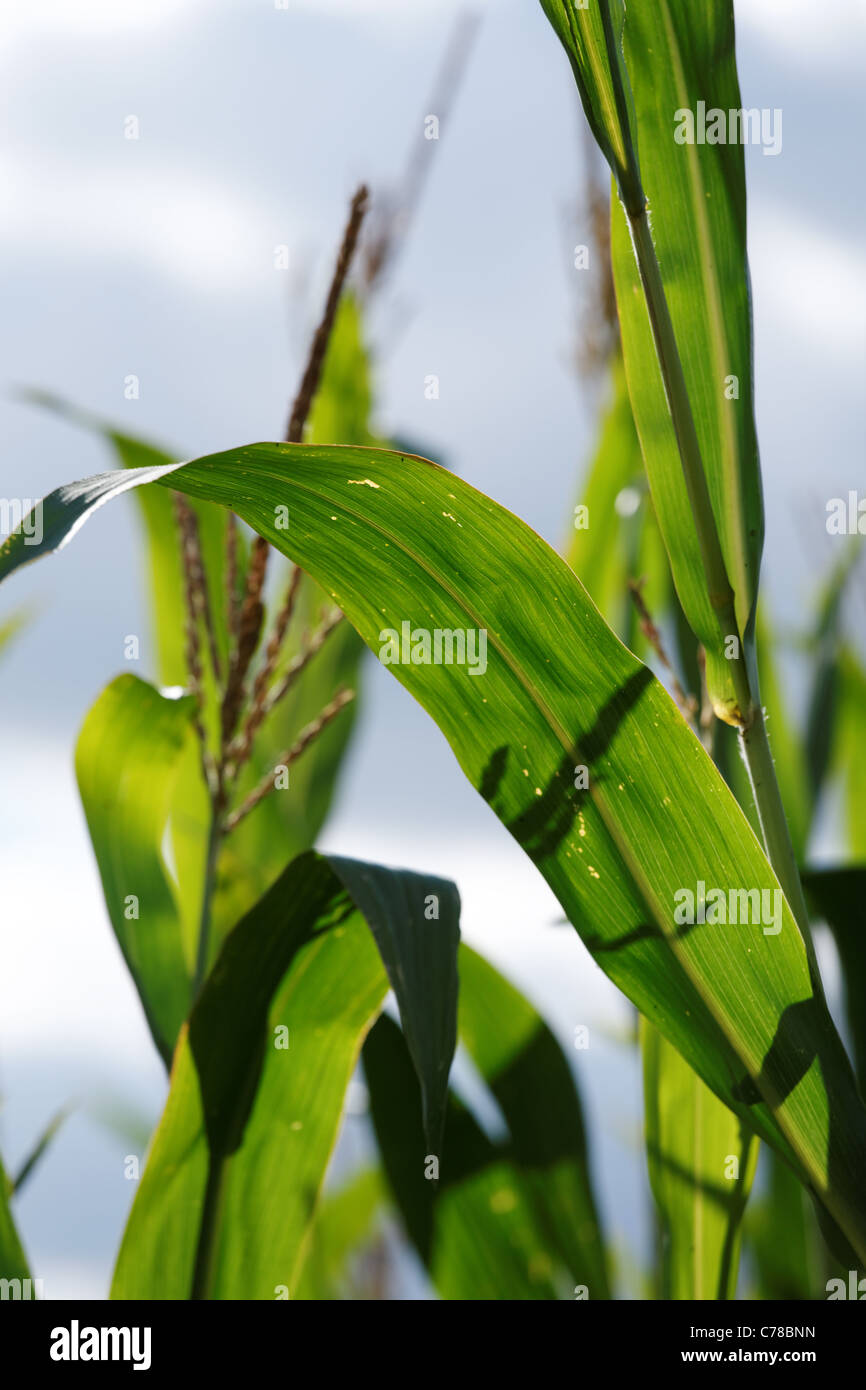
211	1216
752	728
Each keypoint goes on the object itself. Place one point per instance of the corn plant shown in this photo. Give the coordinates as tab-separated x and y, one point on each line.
684	879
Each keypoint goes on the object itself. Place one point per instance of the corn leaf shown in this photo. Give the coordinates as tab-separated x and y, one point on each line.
528	1075
473	1226
13	1261
783	1238
127	761
592	37
345	1224
701	1165
396	540
230	1187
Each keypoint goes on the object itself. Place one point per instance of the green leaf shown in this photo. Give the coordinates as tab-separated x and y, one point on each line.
11	626
474	1228
848	750
41	1146
394	540
230	1187
678	53
422	966
127	760
514	1219
345	1223
600	551
785	742
164	566
783	1238
526	1070
691	1140
592	37
13	1261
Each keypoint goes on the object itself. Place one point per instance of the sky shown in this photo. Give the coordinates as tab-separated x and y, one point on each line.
154	257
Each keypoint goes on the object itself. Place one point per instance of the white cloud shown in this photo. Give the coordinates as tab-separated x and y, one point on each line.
204	234
91	19
832	34
811	280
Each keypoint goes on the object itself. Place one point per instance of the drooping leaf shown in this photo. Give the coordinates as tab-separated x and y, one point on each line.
396	540
417	939
258	1079
164	568
701	1166
127	760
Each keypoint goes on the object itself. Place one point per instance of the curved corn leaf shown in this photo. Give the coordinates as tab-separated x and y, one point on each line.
701	1166
13	1261
127	760
164	567
259	1076
396	540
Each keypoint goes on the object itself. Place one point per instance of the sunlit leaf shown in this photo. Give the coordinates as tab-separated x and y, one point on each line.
127	761
701	1165
396	540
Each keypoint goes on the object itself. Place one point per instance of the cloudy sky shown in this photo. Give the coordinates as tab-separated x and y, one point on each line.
154	257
